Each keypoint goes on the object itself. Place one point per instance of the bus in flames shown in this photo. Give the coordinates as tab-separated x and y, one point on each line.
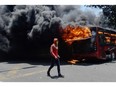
82	42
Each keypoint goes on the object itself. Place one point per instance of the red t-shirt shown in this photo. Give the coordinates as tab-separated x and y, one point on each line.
54	51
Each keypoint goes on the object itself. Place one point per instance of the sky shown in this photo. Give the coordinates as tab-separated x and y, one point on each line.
95	10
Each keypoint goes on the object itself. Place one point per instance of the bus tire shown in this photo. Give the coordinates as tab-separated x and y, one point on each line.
113	56
108	57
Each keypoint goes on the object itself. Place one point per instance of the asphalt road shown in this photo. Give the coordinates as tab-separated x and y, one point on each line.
36	72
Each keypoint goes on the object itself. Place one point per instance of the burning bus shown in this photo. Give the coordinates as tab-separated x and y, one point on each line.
82	42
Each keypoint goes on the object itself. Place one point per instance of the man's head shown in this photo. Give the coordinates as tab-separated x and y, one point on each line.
56	41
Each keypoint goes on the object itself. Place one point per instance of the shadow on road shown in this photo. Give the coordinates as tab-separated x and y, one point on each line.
32	61
97	62
47	61
54	77
17	69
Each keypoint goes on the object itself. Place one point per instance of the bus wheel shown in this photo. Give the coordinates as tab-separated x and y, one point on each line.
108	57
113	56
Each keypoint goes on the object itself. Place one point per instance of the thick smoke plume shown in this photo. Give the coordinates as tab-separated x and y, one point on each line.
24	28
74	13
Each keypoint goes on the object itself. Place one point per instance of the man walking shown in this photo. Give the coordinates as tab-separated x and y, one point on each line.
55	57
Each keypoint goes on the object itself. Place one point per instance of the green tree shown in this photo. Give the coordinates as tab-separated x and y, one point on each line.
109	12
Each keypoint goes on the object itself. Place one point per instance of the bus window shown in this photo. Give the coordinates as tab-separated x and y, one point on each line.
113	41
107	40
93	37
101	38
93	40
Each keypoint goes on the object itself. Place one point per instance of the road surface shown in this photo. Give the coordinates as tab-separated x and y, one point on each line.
36	72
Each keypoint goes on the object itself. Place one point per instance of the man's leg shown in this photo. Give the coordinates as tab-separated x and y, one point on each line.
51	66
58	67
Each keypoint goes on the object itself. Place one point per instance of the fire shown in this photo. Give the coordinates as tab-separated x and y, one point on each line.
73	61
113	35
70	34
100	32
108	39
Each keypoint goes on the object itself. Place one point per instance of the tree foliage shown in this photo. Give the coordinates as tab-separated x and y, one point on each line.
109	11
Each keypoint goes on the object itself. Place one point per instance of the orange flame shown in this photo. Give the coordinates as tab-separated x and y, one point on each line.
73	61
70	34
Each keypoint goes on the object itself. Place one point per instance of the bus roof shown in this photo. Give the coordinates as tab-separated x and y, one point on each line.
104	29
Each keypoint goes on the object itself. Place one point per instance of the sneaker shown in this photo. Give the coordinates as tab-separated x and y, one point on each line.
60	76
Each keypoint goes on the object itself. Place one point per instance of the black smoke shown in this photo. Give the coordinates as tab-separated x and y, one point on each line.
27	29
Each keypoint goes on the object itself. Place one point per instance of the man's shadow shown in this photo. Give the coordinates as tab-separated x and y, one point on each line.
55	77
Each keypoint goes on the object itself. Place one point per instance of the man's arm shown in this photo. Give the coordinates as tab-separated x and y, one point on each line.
51	51
58	56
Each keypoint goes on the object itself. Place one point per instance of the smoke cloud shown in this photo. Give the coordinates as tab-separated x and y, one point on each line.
24	28
75	14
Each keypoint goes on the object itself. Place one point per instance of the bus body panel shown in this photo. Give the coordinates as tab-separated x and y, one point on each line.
100	48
